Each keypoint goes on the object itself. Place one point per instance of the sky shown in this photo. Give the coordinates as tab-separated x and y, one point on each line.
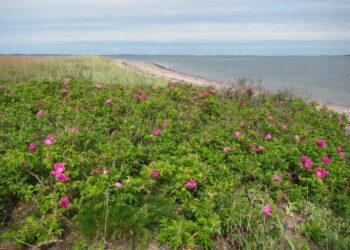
190	27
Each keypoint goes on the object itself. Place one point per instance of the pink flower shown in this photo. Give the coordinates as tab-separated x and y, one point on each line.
340	151
58	167
41	112
165	124
105	171
276	178
95	171
61	177
3	86
321	143
98	86
118	184
64	202
325	159
308	164
66	81
267	210
39	103
74	129
296	137
267	136
227	149
156	132
49	140
321	173
194	97
259	148
191	184
154	173
340	119
64	90
290	175
236	134
250	89
241	103
109	101
303	158
242	124
32	147
270	118
284	126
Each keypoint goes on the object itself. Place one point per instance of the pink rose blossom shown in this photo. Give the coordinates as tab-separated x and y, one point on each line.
49	140
95	171
259	148
270	118
66	81
156	132
340	151
74	129
191	184
297	137
326	159
340	119
250	89
41	112
118	184
105	171
58	167
242	124
284	126
236	134
39	103
276	178
267	210
321	173
321	143
306	162
62	177
3	86
303	158
64	202
227	149
267	136
32	147
109	101
64	90
154	173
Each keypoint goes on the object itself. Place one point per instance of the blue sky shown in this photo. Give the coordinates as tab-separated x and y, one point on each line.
199	27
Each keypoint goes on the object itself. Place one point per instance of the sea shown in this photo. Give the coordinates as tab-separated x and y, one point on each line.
322	78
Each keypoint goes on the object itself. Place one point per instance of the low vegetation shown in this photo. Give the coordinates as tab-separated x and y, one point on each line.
88	165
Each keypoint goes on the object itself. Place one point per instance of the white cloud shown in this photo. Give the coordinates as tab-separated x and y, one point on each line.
176	20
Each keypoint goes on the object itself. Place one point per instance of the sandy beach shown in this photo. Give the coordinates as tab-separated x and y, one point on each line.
173	76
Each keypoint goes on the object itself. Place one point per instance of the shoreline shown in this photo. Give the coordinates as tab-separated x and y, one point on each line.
174	76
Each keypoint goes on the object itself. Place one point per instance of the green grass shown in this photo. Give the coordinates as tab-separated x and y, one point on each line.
225	207
50	68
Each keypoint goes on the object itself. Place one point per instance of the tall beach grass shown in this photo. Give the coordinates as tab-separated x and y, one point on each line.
99	69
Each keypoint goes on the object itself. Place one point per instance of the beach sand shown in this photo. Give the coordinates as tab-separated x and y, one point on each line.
173	76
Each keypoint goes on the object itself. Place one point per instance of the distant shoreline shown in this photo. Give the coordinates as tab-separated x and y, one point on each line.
173	76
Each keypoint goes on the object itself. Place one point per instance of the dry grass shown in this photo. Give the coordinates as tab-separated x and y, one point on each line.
48	68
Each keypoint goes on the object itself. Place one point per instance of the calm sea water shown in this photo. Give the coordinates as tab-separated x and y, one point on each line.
324	78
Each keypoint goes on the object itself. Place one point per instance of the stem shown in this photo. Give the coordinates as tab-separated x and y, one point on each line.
107	210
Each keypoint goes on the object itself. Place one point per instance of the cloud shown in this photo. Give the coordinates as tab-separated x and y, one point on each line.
174	21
